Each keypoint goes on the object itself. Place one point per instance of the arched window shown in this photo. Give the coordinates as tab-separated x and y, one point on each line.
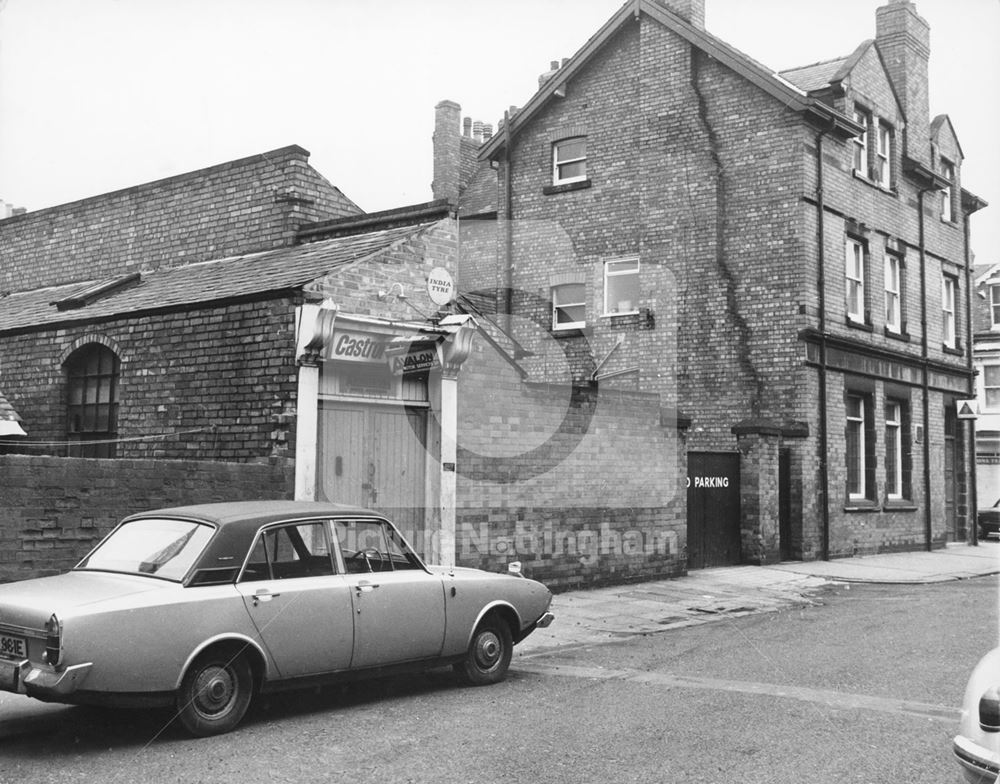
92	401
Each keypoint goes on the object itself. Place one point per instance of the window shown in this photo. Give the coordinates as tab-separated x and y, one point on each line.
991	386
621	287
855	273
92	401
301	550
861	143
859	433
893	293
995	305
947	206
948	287
373	546
569	309
883	155
897	450
569	160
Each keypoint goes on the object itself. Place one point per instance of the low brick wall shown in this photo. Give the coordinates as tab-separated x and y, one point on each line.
53	509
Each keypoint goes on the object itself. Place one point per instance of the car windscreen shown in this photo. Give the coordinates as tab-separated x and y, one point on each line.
159	547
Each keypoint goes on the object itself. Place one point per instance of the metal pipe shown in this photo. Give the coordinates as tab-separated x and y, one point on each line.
824	470
973	480
925	378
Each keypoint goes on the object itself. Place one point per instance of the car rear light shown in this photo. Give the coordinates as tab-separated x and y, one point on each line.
989	710
53	641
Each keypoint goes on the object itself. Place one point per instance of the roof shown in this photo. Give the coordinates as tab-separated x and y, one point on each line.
816	76
10	421
244	276
761	76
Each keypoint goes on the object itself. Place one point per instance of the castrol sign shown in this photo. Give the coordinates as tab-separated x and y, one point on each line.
351	346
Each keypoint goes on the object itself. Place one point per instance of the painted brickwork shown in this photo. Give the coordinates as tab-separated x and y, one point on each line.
54	510
584	488
237	207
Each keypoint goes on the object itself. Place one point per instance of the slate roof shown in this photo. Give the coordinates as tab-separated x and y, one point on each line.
237	276
814	77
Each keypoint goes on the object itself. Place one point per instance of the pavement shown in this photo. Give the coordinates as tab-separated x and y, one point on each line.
601	615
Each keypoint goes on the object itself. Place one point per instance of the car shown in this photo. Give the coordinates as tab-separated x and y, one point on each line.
203	607
977	745
989	521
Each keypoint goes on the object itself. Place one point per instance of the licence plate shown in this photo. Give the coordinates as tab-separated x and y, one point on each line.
13	647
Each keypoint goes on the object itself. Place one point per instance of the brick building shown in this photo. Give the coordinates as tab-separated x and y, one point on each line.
986	354
782	257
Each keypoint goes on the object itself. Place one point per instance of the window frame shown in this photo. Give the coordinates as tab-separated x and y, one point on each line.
884	140
994	289
860	151
855	256
988	387
100	440
858	476
894	264
610	274
947	194
557	162
949	314
557	305
896	450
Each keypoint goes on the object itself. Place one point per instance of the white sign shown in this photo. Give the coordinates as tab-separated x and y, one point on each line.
356	347
440	286
966	409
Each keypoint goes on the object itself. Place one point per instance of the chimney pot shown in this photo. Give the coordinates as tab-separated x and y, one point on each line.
467	126
487	131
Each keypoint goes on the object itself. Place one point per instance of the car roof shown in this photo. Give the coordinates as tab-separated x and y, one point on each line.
238	521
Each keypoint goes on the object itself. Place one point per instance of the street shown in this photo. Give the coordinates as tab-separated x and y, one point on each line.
863	687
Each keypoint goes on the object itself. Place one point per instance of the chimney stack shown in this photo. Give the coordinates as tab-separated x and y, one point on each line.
903	40
692	11
447	142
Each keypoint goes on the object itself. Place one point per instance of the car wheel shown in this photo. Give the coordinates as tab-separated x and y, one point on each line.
215	694
489	653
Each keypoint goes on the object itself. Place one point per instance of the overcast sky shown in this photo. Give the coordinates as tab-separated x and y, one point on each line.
104	94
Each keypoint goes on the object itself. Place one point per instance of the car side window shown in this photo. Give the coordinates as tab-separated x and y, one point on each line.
372	546
299	550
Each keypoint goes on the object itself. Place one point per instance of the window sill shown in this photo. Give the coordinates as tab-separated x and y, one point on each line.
576	332
876	185
643	318
863	326
949	222
567	187
955	351
900	505
862	505
903	336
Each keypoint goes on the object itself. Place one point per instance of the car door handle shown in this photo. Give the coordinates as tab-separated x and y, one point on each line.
366	587
263	595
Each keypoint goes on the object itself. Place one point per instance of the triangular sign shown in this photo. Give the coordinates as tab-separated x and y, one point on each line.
966	409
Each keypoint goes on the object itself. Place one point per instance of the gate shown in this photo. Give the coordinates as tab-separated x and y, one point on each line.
374	456
713	509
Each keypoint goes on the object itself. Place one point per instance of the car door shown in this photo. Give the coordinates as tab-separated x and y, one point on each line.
399	609
299	604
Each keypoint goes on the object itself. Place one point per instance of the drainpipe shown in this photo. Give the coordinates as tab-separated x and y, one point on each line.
508	283
925	380
973	481
824	470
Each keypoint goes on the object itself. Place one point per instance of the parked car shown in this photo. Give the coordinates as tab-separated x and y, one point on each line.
202	607
977	745
989	521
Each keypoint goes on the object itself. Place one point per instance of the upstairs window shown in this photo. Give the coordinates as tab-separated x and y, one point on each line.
893	293
883	155
855	280
569	160
947	194
92	401
991	387
569	306
948	289
863	119
621	287
995	306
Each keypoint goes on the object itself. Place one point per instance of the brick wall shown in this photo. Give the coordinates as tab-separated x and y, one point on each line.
54	510
214	383
250	204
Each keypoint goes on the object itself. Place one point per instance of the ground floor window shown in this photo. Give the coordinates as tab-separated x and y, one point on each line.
859	433
897	450
92	401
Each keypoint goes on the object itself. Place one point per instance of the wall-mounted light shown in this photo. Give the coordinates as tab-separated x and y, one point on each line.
401	294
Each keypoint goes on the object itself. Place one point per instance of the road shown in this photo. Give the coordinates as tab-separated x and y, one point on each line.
863	688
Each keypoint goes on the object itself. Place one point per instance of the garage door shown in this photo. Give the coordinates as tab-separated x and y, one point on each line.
713	504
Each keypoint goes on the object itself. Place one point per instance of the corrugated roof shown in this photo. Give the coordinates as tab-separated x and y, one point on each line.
237	276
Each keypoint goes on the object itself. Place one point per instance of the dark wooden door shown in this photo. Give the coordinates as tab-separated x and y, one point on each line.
713	501
785	504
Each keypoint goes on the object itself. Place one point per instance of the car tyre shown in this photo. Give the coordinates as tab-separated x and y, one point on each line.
489	653
215	693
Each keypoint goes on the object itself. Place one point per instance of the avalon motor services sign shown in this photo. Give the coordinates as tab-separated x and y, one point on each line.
416	358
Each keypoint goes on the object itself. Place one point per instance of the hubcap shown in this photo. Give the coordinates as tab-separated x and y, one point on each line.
488	650
214	690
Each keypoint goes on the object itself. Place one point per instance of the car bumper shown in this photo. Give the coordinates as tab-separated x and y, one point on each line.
21	677
979	764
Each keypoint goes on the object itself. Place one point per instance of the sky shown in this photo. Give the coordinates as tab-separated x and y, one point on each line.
105	94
